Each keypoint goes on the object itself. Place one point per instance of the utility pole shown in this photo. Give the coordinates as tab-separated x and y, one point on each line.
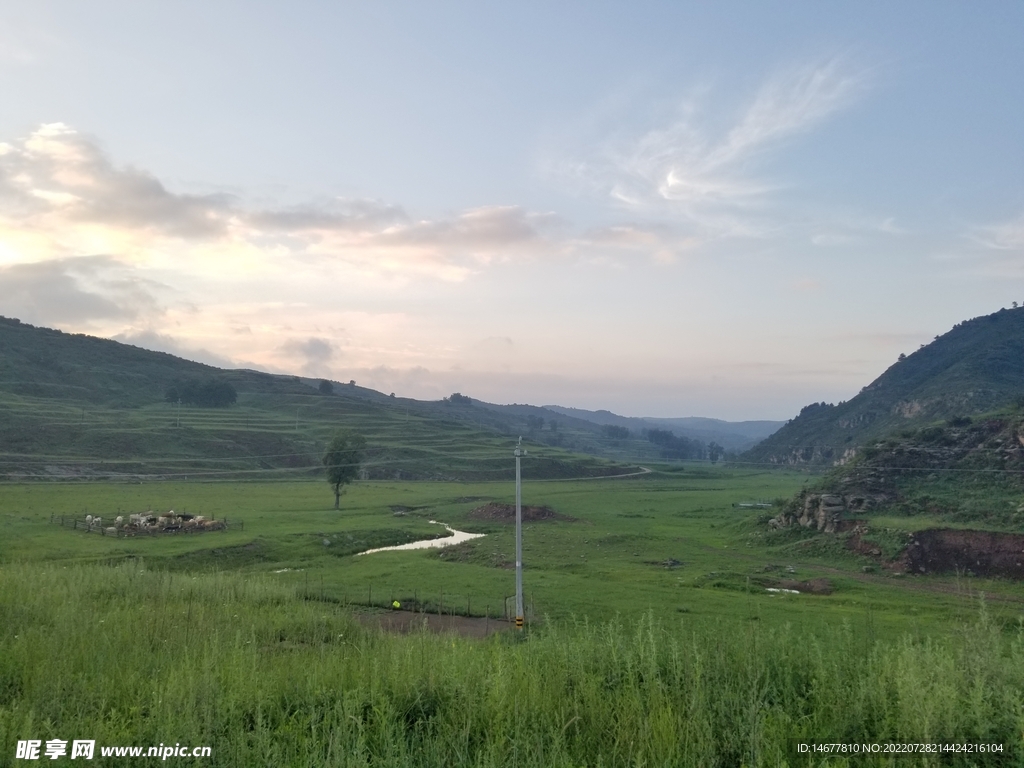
519	539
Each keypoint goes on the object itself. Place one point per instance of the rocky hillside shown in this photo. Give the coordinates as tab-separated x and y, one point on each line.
976	367
960	485
964	471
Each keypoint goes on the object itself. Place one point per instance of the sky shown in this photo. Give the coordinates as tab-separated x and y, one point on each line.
662	209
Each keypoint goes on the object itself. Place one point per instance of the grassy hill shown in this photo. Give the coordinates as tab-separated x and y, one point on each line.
976	367
74	406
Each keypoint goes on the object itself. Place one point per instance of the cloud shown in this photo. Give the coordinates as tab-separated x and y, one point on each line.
159	342
74	291
62	196
1003	236
346	215
315	354
689	168
486	228
58	173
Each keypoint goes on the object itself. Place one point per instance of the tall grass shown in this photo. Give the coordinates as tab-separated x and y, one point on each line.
127	656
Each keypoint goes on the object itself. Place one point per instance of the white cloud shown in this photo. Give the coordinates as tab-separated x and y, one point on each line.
162	342
315	354
83	291
688	168
1002	236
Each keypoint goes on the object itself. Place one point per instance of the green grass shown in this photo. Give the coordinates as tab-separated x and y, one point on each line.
129	656
610	562
244	639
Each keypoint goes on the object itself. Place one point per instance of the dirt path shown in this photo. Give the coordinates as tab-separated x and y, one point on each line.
404	622
643	471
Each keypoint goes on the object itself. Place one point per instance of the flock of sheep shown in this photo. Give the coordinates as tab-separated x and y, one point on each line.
151	522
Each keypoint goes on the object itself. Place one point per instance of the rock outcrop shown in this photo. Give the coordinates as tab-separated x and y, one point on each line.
825	511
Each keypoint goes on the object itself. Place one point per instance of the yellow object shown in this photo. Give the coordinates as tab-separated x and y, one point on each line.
396	604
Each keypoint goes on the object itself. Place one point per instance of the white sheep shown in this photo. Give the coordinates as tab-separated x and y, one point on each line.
88	519
119	520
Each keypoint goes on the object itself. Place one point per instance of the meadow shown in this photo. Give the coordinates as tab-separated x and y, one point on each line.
653	638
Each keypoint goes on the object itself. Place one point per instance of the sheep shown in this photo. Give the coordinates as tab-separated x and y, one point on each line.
119	521
88	519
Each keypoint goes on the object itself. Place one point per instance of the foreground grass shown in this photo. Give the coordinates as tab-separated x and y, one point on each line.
125	655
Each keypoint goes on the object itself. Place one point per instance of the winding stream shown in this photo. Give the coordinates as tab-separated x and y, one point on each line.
457	537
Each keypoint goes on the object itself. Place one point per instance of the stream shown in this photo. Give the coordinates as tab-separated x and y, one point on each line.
457	537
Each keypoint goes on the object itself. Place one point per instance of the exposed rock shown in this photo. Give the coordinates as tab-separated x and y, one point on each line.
824	511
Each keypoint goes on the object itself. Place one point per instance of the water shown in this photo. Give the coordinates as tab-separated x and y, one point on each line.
457	537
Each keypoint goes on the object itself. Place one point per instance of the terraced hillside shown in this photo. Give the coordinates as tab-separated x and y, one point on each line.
75	406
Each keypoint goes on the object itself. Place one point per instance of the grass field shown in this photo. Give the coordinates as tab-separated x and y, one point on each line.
653	640
672	542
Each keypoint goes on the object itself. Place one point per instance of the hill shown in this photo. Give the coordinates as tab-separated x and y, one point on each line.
976	367
74	406
732	435
963	471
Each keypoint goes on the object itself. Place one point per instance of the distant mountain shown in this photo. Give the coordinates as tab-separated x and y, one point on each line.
733	435
976	367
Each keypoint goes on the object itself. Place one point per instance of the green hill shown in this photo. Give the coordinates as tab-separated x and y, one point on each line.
74	406
976	367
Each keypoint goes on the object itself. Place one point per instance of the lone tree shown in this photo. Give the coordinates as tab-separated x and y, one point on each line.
342	460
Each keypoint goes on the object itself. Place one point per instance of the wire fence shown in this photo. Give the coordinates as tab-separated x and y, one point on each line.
441	603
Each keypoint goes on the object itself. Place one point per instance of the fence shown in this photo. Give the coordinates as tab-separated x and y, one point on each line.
129	531
441	604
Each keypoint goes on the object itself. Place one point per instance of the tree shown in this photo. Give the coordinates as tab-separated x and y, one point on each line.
325	387
613	432
211	393
342	459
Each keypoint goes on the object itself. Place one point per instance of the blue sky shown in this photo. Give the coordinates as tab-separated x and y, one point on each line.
724	210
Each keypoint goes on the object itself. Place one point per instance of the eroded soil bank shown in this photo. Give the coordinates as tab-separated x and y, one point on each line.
980	553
